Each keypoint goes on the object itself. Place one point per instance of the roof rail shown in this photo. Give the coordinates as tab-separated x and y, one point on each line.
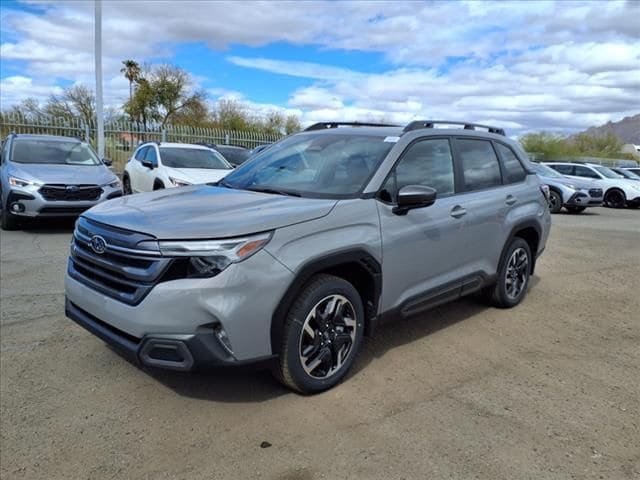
325	125
417	124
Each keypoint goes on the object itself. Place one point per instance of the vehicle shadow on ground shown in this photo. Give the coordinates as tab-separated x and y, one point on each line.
256	384
48	225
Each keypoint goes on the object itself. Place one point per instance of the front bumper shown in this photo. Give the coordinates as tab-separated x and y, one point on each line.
240	301
32	204
582	199
182	352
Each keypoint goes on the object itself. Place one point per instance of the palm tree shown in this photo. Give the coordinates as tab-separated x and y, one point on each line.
131	71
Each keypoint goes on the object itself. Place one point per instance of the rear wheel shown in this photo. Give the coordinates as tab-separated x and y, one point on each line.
513	276
575	209
322	335
555	201
615	198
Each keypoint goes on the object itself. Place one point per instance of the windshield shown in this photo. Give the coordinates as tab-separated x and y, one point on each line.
315	165
193	158
53	152
235	156
546	171
607	172
628	174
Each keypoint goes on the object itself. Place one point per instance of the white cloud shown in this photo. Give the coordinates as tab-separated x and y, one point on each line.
555	65
14	88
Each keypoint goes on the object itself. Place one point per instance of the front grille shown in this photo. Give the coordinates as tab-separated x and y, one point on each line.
70	193
125	271
595	192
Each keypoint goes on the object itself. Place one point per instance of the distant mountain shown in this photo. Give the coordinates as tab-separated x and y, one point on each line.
627	129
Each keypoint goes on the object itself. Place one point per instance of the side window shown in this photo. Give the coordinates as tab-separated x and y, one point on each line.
151	155
563	169
480	167
513	169
426	162
585	172
141	153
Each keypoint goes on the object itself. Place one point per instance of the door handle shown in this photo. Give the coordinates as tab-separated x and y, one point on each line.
458	211
511	200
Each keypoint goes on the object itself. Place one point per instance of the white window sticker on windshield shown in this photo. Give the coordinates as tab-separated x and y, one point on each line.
391	139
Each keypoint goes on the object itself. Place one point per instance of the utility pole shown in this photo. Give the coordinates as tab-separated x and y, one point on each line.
97	53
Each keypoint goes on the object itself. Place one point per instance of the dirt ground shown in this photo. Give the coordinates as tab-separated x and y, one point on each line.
549	390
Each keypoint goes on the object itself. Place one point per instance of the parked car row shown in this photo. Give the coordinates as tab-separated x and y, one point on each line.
51	176
618	190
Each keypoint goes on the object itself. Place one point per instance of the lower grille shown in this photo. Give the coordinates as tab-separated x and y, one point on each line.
70	193
71	211
595	192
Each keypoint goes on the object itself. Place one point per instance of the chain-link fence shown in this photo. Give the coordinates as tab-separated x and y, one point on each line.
122	137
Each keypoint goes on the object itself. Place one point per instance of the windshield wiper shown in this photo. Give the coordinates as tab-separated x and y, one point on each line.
220	183
273	190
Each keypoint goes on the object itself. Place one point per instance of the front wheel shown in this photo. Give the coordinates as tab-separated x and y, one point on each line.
322	335
575	209
9	221
126	185
555	202
513	276
615	198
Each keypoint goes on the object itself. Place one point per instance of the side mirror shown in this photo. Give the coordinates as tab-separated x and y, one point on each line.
414	196
108	162
147	163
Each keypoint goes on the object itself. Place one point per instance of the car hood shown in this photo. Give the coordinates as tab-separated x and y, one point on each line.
576	182
203	211
66	174
197	175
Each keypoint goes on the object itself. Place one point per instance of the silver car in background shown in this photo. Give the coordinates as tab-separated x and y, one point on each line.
573	194
49	176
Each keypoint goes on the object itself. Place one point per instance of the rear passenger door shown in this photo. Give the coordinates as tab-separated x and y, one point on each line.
423	251
485	200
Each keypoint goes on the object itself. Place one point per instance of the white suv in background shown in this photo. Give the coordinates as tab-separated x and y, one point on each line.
154	166
618	191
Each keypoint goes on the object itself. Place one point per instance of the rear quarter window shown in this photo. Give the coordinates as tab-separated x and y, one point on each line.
514	172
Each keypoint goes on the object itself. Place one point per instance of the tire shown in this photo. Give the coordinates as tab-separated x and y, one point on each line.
502	294
330	347
575	209
158	185
615	198
633	206
555	201
9	221
126	185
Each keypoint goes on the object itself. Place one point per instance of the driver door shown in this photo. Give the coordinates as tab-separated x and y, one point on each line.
423	251
149	174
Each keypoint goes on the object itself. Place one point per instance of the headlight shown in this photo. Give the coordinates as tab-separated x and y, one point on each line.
114	184
210	257
179	183
18	182
577	189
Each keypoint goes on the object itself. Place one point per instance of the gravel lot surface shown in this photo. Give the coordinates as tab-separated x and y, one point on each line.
550	389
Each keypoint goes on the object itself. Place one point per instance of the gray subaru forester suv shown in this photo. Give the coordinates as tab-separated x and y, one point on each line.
299	253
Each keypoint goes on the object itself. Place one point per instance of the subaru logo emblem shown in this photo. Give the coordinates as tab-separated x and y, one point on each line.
98	244
72	188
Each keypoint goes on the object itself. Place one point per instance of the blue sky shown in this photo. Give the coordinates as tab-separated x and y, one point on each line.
559	66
